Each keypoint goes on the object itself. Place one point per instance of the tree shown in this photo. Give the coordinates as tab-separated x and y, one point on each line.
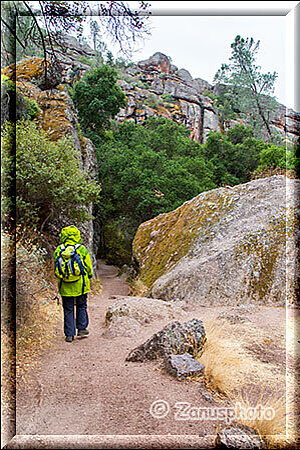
98	45
95	29
49	180
233	155
98	98
143	174
43	24
279	157
250	89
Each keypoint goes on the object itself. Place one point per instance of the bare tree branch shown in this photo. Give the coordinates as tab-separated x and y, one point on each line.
12	32
41	36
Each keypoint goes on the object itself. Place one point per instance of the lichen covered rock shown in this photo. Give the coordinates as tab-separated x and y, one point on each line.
182	366
174	338
225	246
238	437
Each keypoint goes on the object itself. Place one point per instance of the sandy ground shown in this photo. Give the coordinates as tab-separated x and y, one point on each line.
85	395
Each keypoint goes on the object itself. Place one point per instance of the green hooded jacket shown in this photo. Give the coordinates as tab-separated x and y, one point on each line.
71	236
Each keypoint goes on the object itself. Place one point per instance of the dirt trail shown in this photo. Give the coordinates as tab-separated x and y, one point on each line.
87	388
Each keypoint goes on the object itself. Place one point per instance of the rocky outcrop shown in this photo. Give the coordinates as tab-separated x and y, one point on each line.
70	51
155	87
232	245
57	116
174	338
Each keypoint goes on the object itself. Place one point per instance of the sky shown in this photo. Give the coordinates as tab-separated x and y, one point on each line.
201	43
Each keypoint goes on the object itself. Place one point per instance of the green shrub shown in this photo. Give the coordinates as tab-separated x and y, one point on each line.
25	108
49	179
278	159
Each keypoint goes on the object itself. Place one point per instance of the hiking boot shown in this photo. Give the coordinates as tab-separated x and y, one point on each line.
84	332
69	338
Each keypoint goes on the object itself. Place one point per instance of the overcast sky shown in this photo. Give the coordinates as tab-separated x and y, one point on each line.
201	43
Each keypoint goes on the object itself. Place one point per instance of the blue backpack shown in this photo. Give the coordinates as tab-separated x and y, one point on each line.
69	265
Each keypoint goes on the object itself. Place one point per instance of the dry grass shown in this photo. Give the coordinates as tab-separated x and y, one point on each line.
96	285
268	417
138	288
224	360
37	333
230	369
37	310
229	365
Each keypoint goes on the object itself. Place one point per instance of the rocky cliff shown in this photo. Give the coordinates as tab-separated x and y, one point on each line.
155	87
57	116
227	246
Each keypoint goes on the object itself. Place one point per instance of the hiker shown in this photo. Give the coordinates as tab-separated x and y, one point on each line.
73	268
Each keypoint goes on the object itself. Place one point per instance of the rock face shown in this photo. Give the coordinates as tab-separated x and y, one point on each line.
58	117
174	338
232	245
155	87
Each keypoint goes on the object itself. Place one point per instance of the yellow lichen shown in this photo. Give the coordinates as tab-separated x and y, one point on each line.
163	241
28	69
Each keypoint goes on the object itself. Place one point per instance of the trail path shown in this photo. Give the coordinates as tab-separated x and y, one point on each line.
87	388
85	395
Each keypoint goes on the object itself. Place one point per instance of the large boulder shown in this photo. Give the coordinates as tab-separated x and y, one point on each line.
142	309
174	338
232	245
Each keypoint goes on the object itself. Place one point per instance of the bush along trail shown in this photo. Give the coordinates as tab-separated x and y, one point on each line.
93	391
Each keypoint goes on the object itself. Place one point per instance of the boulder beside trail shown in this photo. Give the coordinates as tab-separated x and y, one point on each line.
142	309
182	366
174	338
122	326
228	246
239	436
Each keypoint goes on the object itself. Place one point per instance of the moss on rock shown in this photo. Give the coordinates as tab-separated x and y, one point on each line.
175	232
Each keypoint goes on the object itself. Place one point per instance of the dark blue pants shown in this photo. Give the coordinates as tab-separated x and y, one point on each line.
70	322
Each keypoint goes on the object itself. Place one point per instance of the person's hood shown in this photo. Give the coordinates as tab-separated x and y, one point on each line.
70	235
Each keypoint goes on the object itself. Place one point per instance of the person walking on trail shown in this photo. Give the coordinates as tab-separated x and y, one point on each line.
73	268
